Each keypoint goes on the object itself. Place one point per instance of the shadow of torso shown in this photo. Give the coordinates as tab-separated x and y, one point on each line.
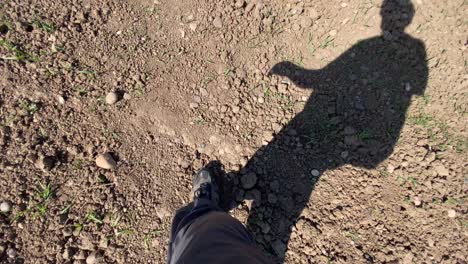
354	116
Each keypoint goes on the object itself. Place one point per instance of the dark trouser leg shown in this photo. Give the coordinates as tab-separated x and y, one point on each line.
187	215
202	233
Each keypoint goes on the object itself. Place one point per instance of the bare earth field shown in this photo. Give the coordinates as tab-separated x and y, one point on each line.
339	126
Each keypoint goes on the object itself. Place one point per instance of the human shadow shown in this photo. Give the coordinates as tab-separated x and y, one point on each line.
354	116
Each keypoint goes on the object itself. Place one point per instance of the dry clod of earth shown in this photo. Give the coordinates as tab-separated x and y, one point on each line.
105	161
93	257
248	180
45	163
217	22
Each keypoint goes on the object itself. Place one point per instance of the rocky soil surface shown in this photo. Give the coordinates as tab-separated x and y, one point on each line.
340	126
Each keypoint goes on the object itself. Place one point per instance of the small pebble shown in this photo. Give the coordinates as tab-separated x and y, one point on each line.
249	180
344	154
111	98
127	96
105	161
5	207
417	201
407	87
261	100
11	252
344	5
60	99
315	173
452	213
333	32
390	168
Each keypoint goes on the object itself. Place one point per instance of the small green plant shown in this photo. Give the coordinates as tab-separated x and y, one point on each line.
247	135
78	228
41	210
139	91
327	42
102	179
353	235
413	181
310	45
115	219
421	120
43	134
66	209
200	121
266	92
453	201
124	232
30	107
93	217
19	215
365	135
208	79
18	53
149	236
403	180
91	73
81	91
45	191
77	163
47	27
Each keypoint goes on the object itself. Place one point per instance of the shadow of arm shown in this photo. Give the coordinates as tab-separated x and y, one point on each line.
299	76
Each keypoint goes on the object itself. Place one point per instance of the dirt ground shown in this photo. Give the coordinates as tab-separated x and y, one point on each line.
340	126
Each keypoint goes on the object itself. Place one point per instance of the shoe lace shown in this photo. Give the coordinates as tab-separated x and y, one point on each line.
203	192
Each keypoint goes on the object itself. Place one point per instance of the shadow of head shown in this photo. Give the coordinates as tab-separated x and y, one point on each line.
396	15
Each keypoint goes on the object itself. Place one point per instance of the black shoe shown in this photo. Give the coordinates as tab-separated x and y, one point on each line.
204	186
